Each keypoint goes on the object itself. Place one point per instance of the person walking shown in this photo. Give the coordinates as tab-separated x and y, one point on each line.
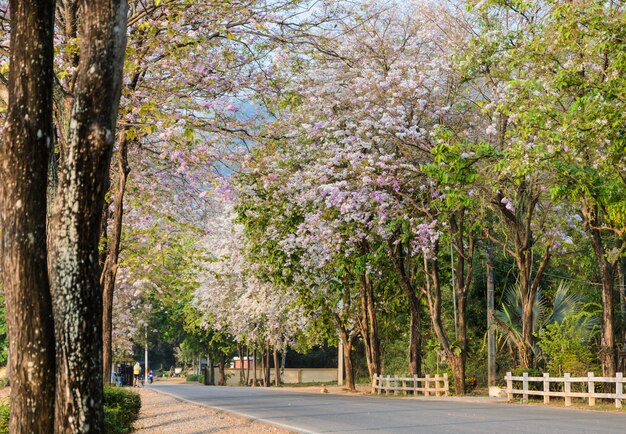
136	374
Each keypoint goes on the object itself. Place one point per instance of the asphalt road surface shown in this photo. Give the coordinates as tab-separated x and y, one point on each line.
324	413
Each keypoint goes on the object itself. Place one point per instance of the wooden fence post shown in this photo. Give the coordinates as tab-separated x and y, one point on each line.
388	385
509	386
546	388
525	388
415	385
446	385
591	389
619	389
437	389
395	385
404	386
568	389
374	381
427	385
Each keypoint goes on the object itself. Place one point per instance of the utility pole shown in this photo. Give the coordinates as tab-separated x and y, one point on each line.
491	337
340	362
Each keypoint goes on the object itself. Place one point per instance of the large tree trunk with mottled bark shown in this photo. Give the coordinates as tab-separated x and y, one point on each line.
76	217
23	171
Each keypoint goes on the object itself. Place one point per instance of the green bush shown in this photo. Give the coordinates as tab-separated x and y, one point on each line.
567	346
4	418
121	410
195	377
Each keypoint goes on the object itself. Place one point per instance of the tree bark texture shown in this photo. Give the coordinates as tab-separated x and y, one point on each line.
254	377
463	242
277	379
76	217
369	326
622	297
347	339
606	352
23	189
433	296
222	365
491	335
109	272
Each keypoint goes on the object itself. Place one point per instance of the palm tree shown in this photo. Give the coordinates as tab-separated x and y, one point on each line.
566	304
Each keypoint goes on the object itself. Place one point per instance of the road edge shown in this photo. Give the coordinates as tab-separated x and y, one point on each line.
246	416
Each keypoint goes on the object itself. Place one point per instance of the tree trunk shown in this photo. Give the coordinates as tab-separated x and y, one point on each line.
622	296
267	371
242	378
607	344
110	267
347	340
222	381
526	351
262	365
76	217
254	371
491	335
277	379
607	272
464	269
399	260
24	174
369	326
433	296
520	223
247	378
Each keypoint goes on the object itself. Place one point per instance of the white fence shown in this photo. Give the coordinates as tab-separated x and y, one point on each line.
587	390
401	385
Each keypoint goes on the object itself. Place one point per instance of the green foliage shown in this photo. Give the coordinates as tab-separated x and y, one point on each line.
4	341
121	410
567	345
566	304
4	417
195	377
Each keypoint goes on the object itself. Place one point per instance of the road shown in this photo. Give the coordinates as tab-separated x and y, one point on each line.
324	413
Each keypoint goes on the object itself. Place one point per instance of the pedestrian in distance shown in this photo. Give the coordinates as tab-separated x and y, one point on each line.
136	374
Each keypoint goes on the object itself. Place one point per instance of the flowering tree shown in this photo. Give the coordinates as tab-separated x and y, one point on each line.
234	300
564	107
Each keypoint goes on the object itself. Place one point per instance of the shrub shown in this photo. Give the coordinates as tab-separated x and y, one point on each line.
470	384
121	410
195	377
567	346
4	418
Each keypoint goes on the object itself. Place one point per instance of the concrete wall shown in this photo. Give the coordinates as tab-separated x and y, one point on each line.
291	375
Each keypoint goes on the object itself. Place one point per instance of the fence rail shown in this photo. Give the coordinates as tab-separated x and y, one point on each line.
589	383
405	385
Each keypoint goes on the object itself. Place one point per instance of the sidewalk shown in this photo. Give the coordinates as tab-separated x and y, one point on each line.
164	414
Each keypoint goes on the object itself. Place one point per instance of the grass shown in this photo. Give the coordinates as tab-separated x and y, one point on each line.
577	403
